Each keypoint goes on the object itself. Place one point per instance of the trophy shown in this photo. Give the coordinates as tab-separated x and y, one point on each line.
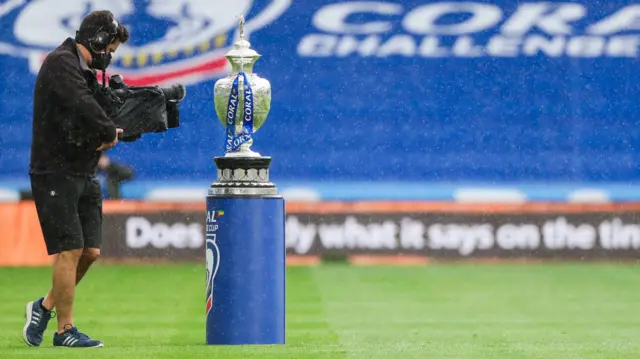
245	245
242	99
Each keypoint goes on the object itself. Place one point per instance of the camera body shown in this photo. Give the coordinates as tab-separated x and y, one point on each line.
143	109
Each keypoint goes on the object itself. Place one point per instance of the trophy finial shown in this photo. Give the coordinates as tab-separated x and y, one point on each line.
241	26
242	56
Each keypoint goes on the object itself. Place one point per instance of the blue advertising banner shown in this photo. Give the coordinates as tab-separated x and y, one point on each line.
365	91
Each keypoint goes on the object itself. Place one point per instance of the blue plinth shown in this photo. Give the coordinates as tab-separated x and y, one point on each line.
245	254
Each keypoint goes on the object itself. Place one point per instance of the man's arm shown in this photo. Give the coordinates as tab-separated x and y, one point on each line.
70	87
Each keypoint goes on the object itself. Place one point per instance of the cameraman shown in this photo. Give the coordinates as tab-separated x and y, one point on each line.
70	131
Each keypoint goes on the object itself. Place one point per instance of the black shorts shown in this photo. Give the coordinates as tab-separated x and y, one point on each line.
69	209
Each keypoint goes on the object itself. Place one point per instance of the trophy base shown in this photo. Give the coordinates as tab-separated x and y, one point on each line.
243	176
243	154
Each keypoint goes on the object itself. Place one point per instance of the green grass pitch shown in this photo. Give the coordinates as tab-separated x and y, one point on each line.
463	311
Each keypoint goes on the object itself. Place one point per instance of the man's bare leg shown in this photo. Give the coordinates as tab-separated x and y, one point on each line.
64	285
63	296
88	257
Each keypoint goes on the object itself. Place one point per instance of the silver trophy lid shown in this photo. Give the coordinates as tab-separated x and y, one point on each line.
242	48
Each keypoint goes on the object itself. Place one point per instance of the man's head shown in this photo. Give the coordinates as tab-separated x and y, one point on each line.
100	34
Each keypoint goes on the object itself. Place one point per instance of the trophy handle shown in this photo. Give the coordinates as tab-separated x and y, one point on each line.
273	11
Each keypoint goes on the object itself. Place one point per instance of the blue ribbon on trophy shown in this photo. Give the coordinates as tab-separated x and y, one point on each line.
233	142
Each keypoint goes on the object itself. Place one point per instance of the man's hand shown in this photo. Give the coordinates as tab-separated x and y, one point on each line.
106	146
104	161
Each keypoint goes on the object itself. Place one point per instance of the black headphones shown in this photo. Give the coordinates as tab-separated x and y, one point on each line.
103	38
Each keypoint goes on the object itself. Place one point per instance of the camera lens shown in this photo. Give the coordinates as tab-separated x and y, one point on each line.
175	93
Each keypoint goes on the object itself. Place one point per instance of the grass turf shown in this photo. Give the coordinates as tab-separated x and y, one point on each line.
443	311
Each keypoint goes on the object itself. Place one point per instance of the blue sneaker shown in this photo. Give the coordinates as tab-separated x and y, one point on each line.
72	338
36	323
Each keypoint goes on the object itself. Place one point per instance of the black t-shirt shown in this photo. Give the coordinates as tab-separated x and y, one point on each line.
68	123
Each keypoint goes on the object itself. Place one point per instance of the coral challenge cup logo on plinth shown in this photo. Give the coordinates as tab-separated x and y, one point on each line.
212	253
171	41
